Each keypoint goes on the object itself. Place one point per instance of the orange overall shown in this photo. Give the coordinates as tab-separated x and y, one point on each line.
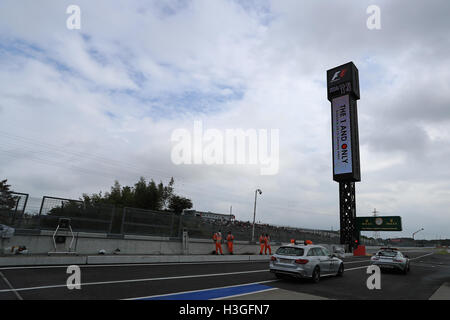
293	241
230	239
262	243
218	240
267	245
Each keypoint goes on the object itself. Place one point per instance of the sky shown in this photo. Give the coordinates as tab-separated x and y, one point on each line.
80	108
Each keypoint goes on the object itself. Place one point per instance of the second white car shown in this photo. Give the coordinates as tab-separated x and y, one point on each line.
305	261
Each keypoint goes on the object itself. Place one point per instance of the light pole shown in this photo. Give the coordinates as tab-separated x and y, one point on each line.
254	213
416	232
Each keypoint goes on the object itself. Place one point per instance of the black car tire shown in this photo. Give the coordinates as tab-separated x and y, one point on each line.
316	275
405	271
341	270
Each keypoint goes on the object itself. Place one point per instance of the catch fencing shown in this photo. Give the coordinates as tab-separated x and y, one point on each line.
111	219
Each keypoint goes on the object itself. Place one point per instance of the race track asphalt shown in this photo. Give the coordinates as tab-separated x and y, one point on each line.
219	280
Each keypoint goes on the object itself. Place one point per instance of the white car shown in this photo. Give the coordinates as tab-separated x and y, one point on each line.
391	258
305	261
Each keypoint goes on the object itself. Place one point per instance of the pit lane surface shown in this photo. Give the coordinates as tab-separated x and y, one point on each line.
214	280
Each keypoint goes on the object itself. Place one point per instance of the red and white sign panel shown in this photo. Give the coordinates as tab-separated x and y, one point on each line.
342	144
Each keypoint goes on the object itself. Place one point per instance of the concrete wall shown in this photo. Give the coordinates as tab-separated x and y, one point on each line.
91	243
41	242
40	260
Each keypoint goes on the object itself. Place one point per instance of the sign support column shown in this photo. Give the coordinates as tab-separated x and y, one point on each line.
343	92
347	209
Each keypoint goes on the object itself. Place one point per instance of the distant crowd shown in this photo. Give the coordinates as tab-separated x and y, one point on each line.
278	233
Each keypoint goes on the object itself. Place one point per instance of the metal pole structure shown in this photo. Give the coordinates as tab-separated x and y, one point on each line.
42	205
113	214
254	214
376	234
347	204
25	206
416	232
13	218
122	226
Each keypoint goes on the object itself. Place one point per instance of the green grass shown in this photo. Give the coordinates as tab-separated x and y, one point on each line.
442	251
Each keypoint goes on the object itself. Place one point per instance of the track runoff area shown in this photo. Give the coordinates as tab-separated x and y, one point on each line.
223	281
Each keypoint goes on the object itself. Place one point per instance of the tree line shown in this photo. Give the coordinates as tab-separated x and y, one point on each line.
142	195
7	200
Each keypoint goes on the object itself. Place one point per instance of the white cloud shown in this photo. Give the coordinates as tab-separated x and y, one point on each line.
101	103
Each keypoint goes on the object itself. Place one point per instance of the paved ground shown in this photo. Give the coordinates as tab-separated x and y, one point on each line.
238	280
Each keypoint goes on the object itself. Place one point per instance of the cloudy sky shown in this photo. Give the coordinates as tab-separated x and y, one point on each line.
82	108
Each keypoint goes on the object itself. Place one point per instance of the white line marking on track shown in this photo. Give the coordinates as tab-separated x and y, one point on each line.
10	286
348	262
154	264
134	264
137	280
356	268
428	254
192	291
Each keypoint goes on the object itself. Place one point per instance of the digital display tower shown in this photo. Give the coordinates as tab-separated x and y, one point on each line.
343	92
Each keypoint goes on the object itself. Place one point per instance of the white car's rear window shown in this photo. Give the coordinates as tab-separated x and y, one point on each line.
387	253
290	251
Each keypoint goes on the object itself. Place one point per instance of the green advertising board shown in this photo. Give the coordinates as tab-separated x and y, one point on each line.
393	223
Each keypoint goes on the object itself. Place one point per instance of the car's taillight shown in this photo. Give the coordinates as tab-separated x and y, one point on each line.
301	261
398	260
272	258
375	258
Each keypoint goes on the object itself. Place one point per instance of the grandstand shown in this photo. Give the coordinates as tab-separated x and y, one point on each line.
208	215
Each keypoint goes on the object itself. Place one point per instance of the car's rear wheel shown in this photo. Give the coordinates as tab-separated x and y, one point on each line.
316	275
340	272
405	271
279	275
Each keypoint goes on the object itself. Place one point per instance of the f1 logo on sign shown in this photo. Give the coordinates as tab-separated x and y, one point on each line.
339	75
342	80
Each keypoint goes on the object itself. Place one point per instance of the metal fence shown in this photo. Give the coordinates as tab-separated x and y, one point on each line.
149	222
89	219
17	211
124	220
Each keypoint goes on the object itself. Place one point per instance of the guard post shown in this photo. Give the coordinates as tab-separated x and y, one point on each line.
343	92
